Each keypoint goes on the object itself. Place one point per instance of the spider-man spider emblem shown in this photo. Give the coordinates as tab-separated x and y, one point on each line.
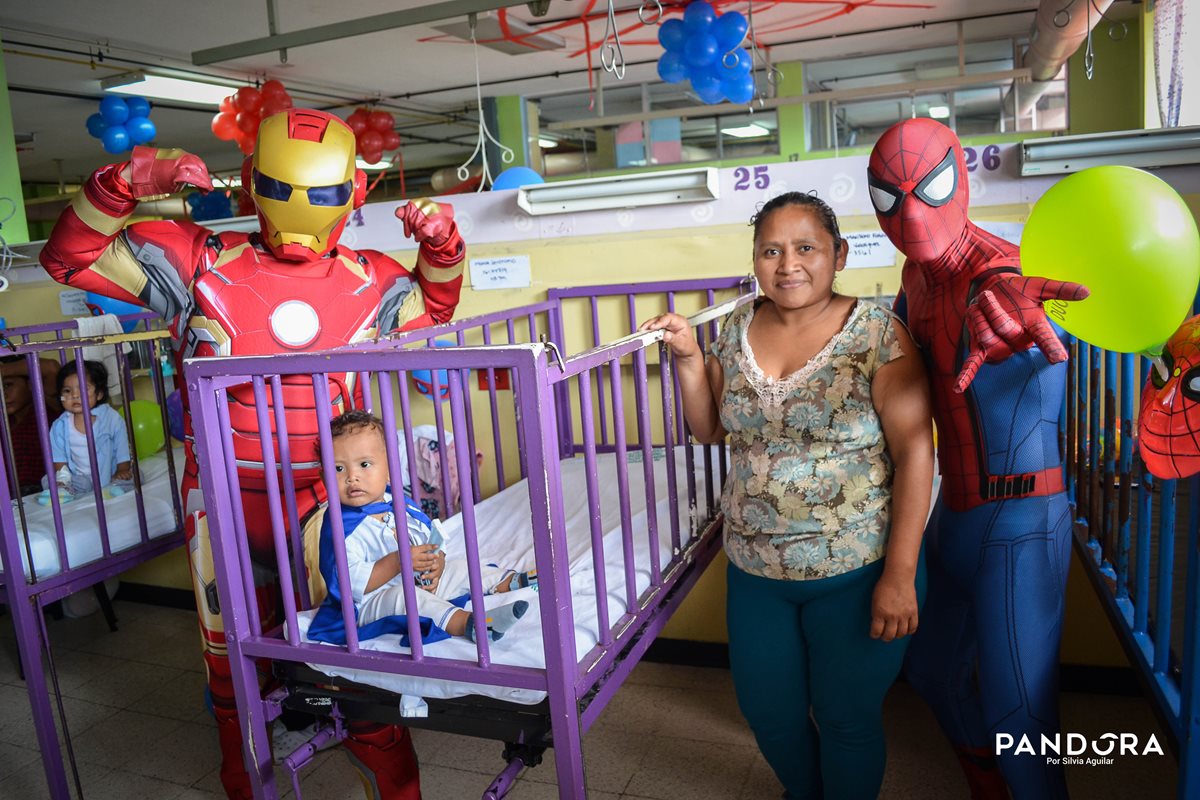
986	655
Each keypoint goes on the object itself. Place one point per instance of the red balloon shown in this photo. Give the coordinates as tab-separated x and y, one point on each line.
274	104
272	88
246	145
357	122
227	105
391	140
381	121
371	142
248	99
372	156
248	121
224	126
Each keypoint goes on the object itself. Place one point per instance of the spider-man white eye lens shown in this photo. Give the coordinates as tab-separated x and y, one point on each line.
885	198
938	186
1191	384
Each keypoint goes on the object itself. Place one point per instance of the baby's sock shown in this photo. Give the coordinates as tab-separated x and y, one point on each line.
517	580
499	620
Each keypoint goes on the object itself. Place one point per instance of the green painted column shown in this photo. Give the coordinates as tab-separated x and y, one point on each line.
15	230
513	128
793	119
1113	100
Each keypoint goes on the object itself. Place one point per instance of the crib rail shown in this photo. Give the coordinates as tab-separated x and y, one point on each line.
14	526
27	594
644	426
1129	526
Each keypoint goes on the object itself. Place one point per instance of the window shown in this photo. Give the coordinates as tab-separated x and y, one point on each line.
656	140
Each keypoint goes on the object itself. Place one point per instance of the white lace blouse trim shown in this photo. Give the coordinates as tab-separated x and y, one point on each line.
773	391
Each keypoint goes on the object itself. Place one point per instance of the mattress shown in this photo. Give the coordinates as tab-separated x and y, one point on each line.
508	542
82	525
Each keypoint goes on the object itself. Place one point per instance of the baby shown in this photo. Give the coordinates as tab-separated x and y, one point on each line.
68	438
376	585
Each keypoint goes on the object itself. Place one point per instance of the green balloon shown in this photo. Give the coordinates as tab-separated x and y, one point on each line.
148	435
1127	236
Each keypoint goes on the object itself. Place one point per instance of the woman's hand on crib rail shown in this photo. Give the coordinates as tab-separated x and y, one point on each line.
677	334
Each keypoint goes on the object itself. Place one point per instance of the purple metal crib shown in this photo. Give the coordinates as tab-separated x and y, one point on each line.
631	424
74	549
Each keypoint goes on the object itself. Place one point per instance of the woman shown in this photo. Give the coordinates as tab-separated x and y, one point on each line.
824	401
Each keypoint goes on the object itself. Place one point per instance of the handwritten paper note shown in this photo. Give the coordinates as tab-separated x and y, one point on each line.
505	272
869	249
73	303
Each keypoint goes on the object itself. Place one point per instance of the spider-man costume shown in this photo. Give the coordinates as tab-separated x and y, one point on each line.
986	654
1169	425
289	287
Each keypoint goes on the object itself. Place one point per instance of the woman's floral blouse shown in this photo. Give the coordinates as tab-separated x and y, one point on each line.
810	481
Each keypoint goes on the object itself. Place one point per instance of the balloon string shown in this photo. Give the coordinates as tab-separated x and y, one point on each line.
485	136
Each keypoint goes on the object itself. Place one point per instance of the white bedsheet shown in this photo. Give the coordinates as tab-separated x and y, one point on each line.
82	526
508	542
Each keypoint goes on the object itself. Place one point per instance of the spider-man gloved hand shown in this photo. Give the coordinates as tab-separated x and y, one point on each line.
1007	316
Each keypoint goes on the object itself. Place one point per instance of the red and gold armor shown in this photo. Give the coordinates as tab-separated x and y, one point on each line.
290	287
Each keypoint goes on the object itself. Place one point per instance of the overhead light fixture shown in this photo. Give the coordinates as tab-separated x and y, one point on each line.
621	191
1140	148
514	38
939	112
751	131
546	144
167	88
358	162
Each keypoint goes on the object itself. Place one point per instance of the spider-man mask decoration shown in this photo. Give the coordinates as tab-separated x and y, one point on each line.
1169	425
917	176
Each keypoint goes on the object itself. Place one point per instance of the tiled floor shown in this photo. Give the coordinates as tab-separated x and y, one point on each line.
134	700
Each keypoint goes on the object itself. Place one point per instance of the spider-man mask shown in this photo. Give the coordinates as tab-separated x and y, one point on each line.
917	176
1169	425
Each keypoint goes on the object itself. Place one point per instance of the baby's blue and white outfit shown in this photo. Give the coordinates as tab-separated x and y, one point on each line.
370	538
69	446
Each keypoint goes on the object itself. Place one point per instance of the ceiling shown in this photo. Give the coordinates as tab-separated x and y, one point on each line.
56	52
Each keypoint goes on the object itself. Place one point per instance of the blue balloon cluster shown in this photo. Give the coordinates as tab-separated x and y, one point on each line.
214	205
122	123
706	49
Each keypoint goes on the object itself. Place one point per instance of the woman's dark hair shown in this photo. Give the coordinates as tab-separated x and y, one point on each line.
810	201
97	376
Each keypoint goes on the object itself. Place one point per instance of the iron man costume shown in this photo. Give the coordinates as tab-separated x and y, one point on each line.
289	287
998	543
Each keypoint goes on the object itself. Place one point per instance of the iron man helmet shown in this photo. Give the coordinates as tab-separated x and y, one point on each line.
304	182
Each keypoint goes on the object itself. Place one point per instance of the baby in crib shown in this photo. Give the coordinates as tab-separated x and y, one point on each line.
68	438
360	461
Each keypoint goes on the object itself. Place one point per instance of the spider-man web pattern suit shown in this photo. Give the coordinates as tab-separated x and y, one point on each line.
1169	425
287	288
985	657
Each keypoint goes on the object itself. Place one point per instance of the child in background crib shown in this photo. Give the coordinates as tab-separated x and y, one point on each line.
68	439
360	461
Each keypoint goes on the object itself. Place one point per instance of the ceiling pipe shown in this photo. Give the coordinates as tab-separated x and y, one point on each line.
1058	30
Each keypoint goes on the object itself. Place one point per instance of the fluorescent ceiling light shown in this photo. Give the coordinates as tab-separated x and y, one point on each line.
546	144
165	88
1140	148
939	112
358	162
751	131
620	191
